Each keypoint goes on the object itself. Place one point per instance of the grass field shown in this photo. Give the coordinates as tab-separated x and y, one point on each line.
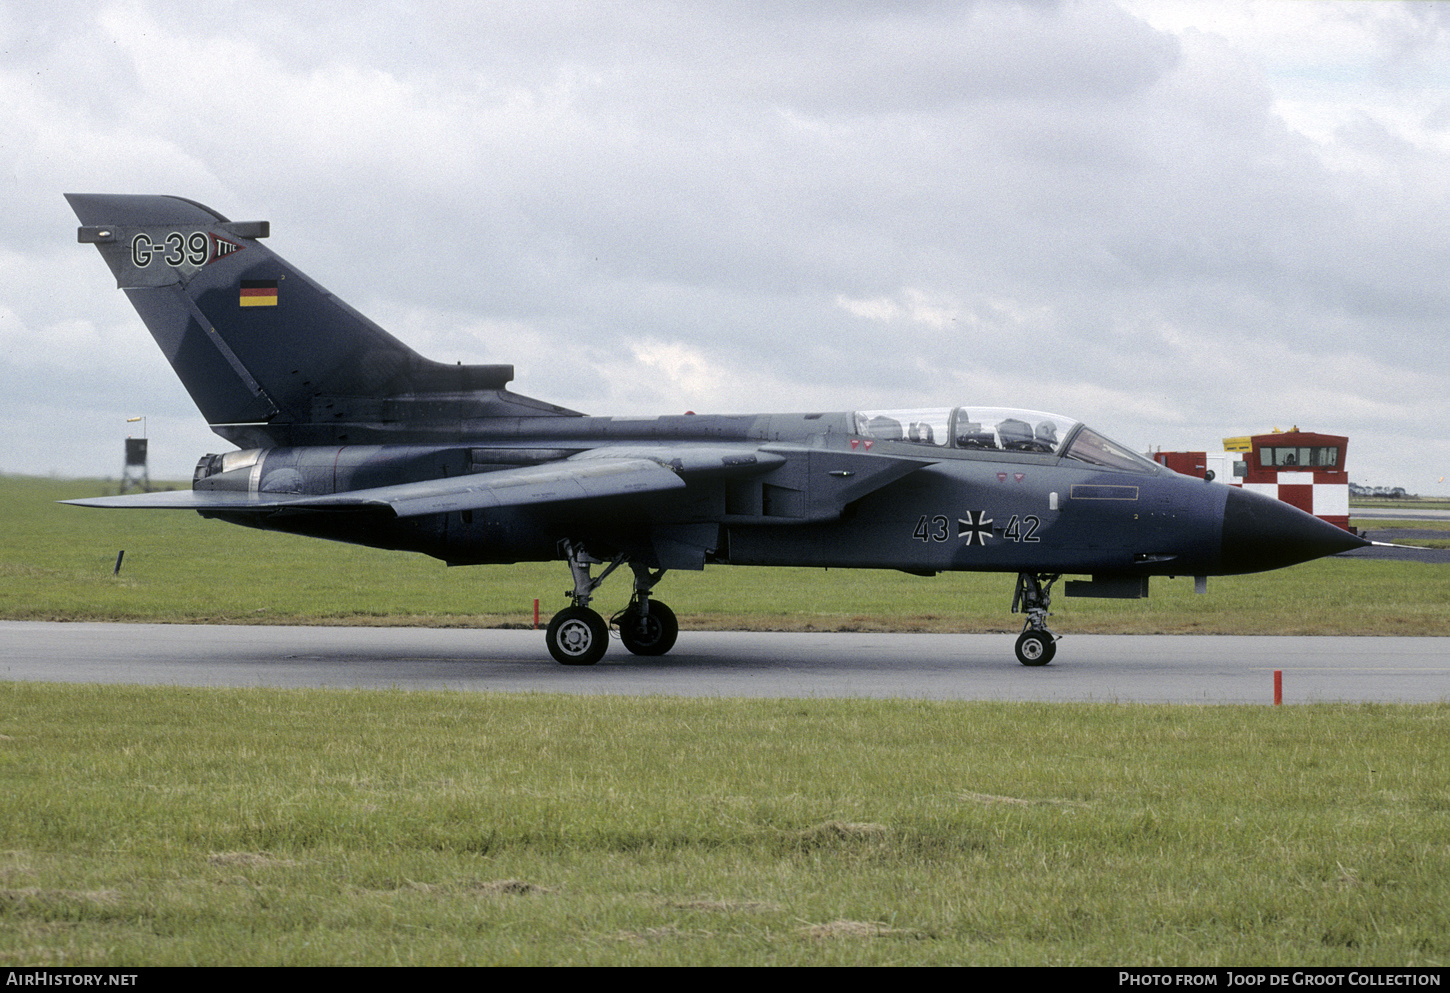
175	826
56	563
251	826
1400	503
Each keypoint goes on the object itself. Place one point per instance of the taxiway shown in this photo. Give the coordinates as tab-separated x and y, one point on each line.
1189	669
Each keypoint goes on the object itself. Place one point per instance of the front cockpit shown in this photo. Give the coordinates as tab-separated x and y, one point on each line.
1000	429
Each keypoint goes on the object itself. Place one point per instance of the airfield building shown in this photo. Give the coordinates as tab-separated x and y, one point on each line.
1302	468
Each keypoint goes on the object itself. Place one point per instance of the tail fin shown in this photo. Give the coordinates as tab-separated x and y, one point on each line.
269	356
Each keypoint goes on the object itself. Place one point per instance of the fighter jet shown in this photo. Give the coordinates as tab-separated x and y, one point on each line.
344	432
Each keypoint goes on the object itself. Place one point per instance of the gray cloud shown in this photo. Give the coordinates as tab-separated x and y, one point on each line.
659	206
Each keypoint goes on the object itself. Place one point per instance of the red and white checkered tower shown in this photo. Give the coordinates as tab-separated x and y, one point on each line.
1303	468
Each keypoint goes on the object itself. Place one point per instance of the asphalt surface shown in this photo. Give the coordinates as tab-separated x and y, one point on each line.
1401	535
1401	513
1404	539
1138	668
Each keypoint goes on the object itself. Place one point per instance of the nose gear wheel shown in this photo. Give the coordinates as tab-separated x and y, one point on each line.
1035	645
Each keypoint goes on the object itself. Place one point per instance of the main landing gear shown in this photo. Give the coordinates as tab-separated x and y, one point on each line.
1035	645
579	636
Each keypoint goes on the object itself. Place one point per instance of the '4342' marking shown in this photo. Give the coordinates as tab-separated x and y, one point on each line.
938	528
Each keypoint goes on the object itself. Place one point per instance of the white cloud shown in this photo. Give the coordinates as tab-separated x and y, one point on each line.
1137	213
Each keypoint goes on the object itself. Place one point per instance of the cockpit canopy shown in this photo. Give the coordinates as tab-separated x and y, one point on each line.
1001	429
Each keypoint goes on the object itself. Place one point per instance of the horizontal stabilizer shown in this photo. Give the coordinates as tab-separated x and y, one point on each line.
177	500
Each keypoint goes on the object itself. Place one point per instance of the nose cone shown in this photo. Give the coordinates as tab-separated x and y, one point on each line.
1261	533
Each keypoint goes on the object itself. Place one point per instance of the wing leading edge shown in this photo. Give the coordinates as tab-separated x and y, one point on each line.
589	476
523	486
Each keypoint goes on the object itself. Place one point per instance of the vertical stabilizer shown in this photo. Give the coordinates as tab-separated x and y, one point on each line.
267	354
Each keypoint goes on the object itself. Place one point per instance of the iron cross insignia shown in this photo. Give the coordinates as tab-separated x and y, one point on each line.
976	527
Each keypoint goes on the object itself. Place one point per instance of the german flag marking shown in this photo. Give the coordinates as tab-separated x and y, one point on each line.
259	293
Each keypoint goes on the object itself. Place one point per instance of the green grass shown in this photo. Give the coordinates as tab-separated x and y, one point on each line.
251	826
56	563
217	826
1406	503
1382	524
1372	525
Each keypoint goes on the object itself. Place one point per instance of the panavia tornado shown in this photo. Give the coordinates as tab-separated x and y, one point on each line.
344	432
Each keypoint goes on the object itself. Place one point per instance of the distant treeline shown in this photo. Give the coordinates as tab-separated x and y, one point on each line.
1387	492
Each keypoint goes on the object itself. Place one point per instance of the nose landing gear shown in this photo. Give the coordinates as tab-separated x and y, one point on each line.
1035	645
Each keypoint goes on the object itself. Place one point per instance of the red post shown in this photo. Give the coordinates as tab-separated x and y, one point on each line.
1278	687
536	613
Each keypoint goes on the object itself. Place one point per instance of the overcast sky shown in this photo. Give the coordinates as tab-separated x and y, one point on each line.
1175	221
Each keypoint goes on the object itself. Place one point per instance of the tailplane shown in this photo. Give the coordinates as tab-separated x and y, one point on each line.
268	355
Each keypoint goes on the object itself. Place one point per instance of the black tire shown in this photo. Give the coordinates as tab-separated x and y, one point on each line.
1035	648
577	636
653	634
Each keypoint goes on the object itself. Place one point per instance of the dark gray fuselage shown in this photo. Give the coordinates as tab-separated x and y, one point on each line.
822	502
